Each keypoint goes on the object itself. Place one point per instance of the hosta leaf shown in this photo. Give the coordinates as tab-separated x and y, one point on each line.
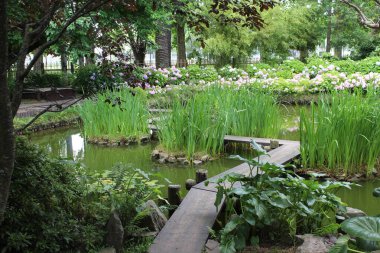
367	228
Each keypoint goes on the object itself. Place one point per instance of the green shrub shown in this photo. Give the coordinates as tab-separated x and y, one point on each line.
45	80
370	64
46	211
54	207
295	66
88	80
253	69
207	74
347	66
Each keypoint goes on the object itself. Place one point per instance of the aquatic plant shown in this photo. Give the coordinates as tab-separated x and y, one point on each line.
276	204
342	133
200	124
115	114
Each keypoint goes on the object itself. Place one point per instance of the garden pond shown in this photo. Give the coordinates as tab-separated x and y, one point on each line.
69	144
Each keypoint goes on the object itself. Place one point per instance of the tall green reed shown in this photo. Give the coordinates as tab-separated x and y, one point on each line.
200	124
342	133
115	114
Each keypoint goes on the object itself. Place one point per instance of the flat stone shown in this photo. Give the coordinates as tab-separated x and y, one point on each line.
197	162
145	139
353	212
108	250
212	246
205	158
181	160
155	154
312	244
162	160
266	148
164	155
172	159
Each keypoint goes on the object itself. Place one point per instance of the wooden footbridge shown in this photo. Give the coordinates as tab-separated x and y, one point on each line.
187	229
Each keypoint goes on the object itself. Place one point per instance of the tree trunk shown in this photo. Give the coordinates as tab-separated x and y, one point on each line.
39	65
81	61
7	145
329	30
64	64
163	52
338	52
139	52
181	46
303	55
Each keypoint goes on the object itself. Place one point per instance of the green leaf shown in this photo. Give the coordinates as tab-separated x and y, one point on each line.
341	245
367	228
255	240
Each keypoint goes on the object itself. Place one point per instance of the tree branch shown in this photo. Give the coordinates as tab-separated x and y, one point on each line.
363	18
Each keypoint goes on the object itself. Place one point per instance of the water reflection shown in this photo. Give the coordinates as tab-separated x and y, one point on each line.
69	144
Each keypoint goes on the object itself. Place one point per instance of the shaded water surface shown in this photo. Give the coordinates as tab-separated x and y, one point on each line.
69	144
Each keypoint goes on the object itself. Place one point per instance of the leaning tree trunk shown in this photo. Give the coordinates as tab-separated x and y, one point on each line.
7	146
181	45
163	52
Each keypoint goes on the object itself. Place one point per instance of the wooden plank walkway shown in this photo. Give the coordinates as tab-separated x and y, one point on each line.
187	229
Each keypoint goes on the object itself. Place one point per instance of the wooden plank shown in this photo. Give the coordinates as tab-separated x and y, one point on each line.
187	229
262	141
280	155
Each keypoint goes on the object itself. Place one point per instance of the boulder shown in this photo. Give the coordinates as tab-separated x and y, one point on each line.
212	246
162	160
172	159
205	158
115	232
164	156
155	154
155	220
313	244
353	212
145	139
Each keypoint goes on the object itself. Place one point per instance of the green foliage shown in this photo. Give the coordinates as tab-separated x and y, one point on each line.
87	80
45	80
54	207
46	211
365	230
341	134
115	115
295	66
200	124
276	203
208	74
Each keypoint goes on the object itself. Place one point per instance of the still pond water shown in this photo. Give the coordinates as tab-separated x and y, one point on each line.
69	144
